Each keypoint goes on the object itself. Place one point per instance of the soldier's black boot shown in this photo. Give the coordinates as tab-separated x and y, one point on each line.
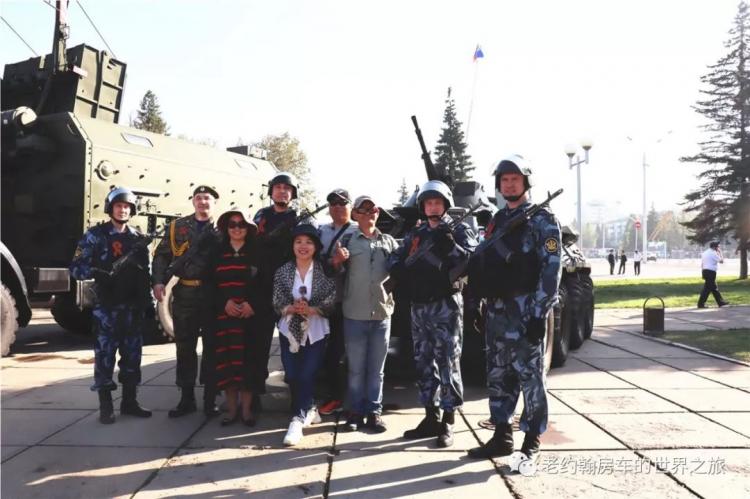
429	426
501	444
186	404
445	439
106	409
129	404
209	403
530	445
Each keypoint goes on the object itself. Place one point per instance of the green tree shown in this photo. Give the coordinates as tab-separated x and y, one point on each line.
652	220
149	116
403	192
452	164
285	152
722	201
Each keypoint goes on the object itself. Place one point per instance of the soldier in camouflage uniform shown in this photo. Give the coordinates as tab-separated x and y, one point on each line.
120	304
185	252
436	309
521	288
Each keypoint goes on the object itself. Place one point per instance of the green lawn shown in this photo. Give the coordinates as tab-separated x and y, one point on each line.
676	292
734	343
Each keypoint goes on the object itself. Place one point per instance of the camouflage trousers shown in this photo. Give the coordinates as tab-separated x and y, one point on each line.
513	365
117	328
437	331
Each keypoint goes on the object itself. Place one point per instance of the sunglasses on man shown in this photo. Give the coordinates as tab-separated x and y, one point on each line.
337	203
236	225
365	211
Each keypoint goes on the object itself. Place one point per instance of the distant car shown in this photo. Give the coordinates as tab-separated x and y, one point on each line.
651	257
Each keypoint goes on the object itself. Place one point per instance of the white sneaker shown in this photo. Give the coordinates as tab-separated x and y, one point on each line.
294	433
312	417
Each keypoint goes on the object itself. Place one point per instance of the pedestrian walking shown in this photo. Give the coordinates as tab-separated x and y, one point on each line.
611	260
623	260
637	257
710	260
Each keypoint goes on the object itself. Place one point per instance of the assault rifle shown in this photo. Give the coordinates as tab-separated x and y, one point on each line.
424	249
495	240
207	235
130	258
304	214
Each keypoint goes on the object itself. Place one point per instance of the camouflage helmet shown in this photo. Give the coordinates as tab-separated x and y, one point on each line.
515	163
120	195
284	178
435	189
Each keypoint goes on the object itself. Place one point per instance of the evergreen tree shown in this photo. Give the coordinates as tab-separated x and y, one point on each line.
285	152
403	192
149	115
452	164
652	220
722	201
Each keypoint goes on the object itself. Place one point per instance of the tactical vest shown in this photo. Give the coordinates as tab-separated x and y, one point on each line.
131	284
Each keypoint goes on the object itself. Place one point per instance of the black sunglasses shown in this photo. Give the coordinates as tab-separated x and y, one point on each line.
236	225
338	203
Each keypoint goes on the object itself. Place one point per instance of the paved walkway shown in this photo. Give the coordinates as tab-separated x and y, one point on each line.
628	417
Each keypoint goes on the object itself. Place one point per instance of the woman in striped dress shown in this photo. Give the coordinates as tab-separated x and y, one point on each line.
234	289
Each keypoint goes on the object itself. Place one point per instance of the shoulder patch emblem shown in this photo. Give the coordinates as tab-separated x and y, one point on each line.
551	245
78	252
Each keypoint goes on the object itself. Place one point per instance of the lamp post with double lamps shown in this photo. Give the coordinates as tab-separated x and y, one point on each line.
574	160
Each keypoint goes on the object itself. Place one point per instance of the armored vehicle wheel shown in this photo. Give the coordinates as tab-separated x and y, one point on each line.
549	342
164	309
588	315
561	338
9	322
68	316
574	311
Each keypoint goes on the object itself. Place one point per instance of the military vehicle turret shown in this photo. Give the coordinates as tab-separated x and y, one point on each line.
63	151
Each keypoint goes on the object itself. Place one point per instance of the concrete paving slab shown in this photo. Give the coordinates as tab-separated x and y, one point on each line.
651	349
593	349
709	472
614	401
55	397
481	407
403	398
584	378
737	421
675	379
76	472
704	363
392	440
738	378
594	474
668	430
63	359
268	433
163	378
28	427
702	399
8	451
564	432
23	378
240	472
413	474
129	431
631	364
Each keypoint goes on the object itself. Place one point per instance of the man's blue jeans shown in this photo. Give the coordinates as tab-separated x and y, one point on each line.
366	349
300	369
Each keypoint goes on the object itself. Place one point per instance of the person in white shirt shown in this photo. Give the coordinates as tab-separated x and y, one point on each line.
710	261
304	297
637	257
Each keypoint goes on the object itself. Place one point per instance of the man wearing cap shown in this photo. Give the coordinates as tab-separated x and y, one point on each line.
184	252
339	208
367	309
274	241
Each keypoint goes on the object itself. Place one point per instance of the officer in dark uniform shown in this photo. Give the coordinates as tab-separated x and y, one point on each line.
436	309
274	241
121	300
184	252
520	283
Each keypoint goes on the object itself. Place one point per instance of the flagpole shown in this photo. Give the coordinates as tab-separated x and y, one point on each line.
471	102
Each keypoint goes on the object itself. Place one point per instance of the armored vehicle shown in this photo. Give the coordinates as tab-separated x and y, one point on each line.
571	320
63	151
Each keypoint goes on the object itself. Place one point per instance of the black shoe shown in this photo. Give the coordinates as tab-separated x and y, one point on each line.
723	303
375	423
106	409
186	405
501	444
428	427
530	445
129	404
210	409
445	438
701	306
354	422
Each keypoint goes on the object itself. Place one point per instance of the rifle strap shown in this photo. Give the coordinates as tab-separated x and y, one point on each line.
176	250
336	237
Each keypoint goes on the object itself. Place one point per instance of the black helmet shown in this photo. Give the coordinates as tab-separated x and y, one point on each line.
120	195
310	231
435	189
284	178
514	163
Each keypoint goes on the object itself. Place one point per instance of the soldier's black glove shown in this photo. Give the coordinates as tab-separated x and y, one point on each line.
444	242
535	330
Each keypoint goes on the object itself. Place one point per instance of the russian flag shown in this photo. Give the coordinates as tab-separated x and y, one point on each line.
478	54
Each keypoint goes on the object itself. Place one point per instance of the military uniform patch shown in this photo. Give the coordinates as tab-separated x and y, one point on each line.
550	245
78	252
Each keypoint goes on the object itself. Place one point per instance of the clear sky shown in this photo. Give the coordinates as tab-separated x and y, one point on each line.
344	77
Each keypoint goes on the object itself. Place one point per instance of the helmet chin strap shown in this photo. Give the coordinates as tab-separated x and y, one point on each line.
120	221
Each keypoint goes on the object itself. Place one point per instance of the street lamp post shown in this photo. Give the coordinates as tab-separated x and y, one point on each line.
570	151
